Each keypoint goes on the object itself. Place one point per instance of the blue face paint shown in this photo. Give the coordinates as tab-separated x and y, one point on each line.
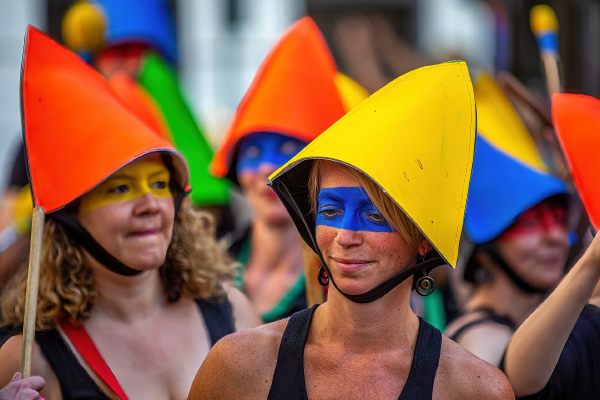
349	208
265	147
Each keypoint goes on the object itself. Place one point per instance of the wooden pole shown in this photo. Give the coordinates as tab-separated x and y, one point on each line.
33	280
552	71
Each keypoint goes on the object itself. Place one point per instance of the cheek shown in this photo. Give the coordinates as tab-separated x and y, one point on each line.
247	181
325	236
393	246
520	248
105	223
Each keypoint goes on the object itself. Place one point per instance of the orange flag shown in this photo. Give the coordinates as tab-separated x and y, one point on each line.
577	123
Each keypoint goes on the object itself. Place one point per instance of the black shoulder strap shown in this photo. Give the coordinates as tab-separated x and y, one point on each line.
419	385
489	315
218	317
6	332
75	383
288	378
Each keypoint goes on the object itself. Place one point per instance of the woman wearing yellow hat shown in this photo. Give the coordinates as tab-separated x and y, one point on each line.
130	297
380	198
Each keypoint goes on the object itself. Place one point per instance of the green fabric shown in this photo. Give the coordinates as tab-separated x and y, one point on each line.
433	310
160	81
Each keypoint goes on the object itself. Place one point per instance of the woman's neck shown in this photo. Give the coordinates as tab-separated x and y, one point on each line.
275	247
376	326
128	298
505	298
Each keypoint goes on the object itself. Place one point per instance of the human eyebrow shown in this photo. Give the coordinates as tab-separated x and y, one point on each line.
329	196
158	173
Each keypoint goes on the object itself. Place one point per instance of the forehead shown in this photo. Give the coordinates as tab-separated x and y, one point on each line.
267	137
333	175
147	163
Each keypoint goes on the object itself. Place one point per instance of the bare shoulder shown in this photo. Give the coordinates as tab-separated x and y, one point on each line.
487	341
246	358
461	375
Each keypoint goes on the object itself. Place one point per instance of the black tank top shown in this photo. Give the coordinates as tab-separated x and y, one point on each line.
75	383
288	378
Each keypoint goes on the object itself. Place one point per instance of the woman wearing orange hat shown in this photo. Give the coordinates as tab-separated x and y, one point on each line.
130	297
291	100
371	208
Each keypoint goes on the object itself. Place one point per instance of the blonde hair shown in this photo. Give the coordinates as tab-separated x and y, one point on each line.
386	206
194	267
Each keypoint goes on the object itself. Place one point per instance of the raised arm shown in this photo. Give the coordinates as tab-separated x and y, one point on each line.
536	346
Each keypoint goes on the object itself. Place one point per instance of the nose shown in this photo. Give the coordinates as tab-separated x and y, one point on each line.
266	167
348	238
556	232
147	204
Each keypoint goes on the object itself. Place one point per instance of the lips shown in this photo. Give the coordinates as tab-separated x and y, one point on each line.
351	265
144	232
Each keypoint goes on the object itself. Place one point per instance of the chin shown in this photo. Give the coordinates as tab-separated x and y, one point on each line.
353	286
148	263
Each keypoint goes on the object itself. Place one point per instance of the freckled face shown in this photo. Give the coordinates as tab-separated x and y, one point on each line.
132	213
536	246
360	248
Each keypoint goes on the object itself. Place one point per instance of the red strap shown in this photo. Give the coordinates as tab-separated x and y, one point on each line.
82	341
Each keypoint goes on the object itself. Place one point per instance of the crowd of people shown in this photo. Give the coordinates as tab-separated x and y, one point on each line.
149	288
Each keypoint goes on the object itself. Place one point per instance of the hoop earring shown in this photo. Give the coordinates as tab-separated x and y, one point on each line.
425	284
323	277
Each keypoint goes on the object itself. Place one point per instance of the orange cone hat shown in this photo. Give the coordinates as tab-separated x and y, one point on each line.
77	132
577	123
139	102
293	93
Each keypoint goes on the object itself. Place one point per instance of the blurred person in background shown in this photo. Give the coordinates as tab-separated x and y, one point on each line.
292	99
133	43
132	287
555	353
517	218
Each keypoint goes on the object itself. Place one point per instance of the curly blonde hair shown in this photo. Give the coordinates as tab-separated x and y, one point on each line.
194	267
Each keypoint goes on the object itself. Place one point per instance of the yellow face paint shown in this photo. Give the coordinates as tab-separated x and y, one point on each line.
129	183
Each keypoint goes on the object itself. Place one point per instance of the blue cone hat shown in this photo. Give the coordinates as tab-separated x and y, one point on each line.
502	188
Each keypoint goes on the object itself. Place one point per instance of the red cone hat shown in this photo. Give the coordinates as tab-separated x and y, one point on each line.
77	132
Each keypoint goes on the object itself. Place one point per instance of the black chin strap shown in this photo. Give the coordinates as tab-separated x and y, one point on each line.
429	262
512	275
84	238
87	241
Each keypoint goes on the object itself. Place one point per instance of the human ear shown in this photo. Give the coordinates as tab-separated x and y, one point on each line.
424	247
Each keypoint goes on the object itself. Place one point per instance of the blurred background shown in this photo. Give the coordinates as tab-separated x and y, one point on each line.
220	44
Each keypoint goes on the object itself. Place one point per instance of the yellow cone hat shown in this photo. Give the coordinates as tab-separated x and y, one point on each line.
415	138
499	123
